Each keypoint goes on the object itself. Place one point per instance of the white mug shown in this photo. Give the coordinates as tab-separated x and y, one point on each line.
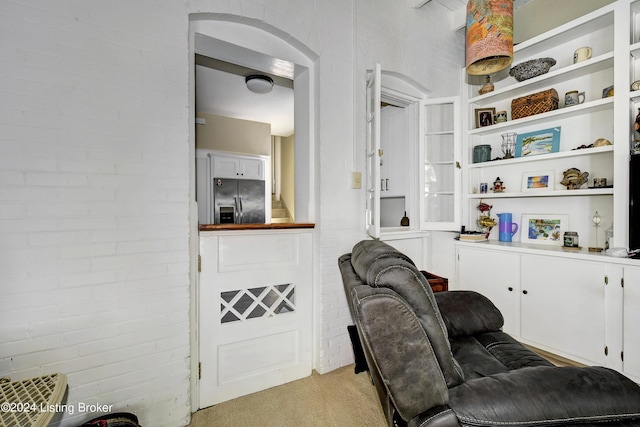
573	98
582	54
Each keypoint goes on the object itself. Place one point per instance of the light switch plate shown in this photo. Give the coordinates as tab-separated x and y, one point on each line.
356	180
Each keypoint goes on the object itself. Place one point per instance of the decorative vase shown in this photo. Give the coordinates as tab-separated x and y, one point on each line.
486	87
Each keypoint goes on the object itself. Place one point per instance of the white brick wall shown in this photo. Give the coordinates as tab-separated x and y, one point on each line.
94	194
94	178
418	43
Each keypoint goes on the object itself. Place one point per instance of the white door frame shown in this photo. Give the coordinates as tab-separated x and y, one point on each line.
245	37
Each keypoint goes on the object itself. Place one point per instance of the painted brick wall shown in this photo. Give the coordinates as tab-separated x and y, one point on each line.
94	202
418	43
94	179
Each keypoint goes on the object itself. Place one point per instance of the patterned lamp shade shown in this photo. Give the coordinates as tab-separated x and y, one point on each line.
489	43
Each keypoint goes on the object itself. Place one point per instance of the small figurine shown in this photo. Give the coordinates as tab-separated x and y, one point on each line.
486	87
573	179
485	222
497	186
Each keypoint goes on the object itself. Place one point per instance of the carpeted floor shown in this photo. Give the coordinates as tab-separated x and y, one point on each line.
337	399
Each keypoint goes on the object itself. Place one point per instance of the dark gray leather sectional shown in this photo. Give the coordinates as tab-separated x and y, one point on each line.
442	360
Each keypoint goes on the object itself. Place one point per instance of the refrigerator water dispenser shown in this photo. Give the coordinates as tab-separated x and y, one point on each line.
227	215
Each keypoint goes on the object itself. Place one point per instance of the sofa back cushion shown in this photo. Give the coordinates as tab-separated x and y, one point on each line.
381	266
468	313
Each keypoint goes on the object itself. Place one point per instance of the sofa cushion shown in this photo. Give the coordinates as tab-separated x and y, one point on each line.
491	353
546	396
366	252
381	266
509	351
468	313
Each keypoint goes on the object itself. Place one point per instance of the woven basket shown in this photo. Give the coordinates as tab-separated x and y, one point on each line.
536	103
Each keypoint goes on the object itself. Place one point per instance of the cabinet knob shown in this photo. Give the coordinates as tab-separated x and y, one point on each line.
525	292
510	289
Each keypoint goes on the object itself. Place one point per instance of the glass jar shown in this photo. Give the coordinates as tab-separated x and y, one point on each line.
509	144
571	239
481	153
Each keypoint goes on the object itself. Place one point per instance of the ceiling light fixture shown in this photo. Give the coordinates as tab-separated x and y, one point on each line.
258	83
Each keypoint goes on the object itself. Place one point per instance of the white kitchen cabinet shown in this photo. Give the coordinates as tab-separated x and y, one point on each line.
584	307
495	275
211	164
237	166
552	302
631	320
562	306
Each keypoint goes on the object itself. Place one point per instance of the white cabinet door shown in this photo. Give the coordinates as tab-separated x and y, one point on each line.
225	166
372	203
440	170
238	167
252	168
631	322
496	275
563	307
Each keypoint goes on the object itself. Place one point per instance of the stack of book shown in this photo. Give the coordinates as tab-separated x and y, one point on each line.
473	236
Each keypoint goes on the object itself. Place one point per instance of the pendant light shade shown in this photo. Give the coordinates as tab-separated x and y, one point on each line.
489	39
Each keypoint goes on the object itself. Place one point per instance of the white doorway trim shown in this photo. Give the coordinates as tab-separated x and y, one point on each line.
242	35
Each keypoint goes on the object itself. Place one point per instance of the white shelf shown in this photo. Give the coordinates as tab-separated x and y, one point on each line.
543	157
553	77
575	29
545	193
584	108
529	248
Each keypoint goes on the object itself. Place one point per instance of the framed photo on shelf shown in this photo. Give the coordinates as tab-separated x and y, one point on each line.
536	181
544	229
539	142
484	117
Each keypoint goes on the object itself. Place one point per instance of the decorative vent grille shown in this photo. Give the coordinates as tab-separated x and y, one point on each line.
265	301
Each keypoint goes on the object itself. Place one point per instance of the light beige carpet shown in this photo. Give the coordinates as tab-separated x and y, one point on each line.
337	399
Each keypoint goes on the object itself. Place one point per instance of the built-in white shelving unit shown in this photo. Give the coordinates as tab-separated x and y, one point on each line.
580	125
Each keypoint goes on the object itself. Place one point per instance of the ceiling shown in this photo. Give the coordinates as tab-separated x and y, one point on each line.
220	89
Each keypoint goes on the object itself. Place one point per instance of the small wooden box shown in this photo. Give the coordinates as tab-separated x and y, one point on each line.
536	103
437	283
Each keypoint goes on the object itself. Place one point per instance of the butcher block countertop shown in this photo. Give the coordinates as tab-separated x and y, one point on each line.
276	226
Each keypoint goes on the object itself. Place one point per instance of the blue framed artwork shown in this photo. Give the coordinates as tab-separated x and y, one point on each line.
539	142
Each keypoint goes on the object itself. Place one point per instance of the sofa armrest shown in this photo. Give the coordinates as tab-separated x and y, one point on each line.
468	313
400	349
546	395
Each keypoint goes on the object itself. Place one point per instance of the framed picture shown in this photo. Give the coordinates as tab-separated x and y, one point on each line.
539	142
544	229
484	116
536	181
